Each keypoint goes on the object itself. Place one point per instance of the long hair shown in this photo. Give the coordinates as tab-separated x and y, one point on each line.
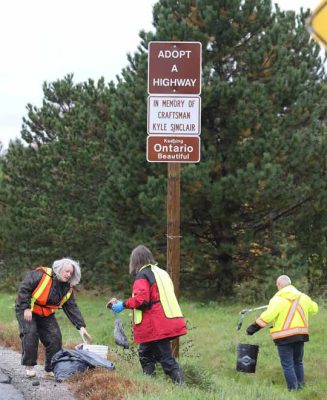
139	257
58	265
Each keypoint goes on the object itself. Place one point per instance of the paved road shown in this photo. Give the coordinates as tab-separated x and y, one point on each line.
7	390
15	386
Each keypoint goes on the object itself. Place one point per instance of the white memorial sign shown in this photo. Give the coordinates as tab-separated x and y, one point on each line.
174	115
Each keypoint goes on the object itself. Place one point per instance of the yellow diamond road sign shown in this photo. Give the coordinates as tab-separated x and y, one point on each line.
317	23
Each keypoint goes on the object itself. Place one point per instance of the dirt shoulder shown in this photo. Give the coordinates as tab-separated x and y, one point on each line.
31	388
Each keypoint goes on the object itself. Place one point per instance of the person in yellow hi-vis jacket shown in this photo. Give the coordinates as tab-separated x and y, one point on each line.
157	317
288	312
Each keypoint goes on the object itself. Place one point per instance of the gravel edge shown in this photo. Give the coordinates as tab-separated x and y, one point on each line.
31	388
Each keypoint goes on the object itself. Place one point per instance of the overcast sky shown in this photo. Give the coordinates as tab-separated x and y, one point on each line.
42	40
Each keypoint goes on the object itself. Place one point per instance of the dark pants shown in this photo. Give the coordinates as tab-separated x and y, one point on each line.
44	328
291	358
157	351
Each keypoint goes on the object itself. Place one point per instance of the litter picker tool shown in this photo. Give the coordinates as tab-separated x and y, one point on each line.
83	338
245	312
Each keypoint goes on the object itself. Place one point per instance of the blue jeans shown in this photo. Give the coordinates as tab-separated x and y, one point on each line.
291	358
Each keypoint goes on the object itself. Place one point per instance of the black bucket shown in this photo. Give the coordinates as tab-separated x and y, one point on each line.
247	355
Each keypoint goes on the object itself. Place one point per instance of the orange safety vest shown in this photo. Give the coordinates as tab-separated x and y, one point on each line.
41	293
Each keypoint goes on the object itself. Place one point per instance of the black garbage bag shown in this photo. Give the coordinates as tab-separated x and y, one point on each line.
67	362
119	334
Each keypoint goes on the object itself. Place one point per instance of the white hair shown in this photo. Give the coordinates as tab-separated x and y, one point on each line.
283	281
58	265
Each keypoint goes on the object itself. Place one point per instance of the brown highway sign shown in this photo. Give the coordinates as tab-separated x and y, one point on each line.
174	68
180	149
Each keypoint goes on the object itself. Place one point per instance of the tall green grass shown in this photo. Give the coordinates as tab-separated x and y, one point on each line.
207	353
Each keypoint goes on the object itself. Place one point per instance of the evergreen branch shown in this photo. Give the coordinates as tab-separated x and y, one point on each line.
274	217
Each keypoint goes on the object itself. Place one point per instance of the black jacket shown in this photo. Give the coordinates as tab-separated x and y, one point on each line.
57	292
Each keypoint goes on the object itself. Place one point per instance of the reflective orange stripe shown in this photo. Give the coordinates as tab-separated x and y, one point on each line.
286	330
290	314
40	294
261	322
302	315
290	332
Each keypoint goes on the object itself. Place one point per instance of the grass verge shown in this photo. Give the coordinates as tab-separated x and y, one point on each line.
207	355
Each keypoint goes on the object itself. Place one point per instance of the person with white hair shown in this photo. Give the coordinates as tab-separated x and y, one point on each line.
42	292
288	312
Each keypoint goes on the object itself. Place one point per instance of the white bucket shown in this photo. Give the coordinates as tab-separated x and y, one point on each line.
96	348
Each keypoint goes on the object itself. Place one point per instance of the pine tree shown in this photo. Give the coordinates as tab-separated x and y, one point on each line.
263	149
54	182
253	207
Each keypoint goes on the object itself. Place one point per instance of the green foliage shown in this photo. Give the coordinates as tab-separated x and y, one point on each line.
251	292
262	99
317	275
53	184
254	207
197	376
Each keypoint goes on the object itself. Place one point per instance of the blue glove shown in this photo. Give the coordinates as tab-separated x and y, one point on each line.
118	307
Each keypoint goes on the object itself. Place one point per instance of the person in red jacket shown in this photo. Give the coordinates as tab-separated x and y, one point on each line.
157	317
41	293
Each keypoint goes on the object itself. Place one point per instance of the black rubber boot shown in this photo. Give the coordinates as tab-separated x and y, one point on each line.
149	369
177	376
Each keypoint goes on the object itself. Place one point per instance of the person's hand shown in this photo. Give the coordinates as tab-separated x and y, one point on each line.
250	331
117	307
85	334
28	315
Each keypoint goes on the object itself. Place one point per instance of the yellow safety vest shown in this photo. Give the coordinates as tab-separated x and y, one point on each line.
289	312
167	295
